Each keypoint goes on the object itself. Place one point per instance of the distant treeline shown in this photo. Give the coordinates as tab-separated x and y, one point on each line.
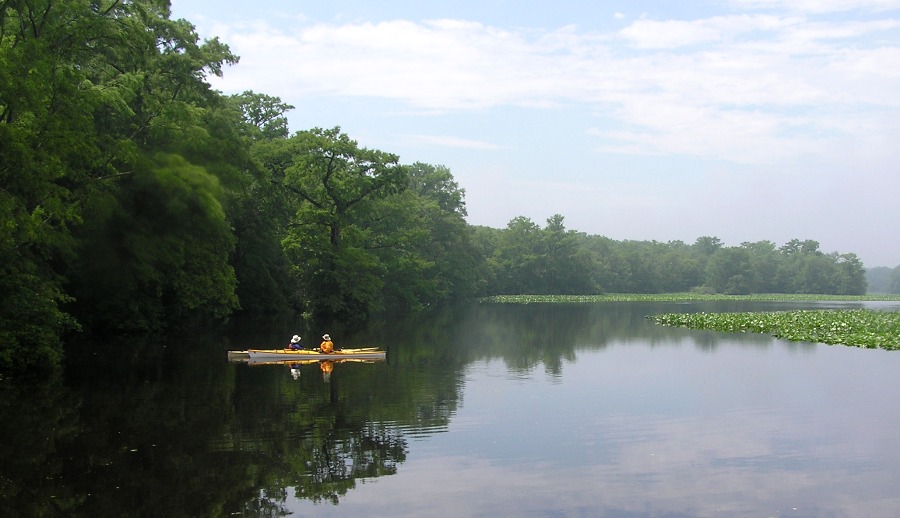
882	279
524	258
132	196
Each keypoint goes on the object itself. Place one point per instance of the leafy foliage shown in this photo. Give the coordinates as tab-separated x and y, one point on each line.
365	233
158	250
263	116
524	258
89	93
331	185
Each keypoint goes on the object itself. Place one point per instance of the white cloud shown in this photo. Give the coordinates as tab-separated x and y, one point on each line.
652	34
655	34
749	87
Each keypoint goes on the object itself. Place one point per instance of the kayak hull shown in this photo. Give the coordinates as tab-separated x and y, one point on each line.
306	354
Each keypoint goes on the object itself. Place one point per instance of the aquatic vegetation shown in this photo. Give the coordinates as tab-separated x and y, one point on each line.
858	327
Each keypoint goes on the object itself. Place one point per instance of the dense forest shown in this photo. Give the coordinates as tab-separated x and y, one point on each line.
133	195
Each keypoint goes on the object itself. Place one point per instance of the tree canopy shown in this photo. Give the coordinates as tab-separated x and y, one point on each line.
90	93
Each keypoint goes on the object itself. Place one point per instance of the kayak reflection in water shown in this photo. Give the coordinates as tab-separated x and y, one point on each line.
327	366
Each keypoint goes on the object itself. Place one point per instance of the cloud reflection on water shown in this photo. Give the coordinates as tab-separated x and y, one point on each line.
638	430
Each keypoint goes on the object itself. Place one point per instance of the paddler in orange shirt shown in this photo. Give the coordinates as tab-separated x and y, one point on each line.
327	346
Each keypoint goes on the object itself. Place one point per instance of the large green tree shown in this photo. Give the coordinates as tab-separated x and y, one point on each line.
90	92
516	258
157	251
728	271
163	222
258	208
549	260
426	249
333	185
678	268
262	116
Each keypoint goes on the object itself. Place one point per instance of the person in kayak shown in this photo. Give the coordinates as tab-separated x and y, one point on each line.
327	346
295	343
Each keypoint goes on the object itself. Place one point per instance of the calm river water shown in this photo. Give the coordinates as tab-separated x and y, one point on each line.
486	410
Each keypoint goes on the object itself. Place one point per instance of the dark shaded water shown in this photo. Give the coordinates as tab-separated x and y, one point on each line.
541	410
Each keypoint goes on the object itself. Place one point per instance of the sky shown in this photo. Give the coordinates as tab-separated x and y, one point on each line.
665	120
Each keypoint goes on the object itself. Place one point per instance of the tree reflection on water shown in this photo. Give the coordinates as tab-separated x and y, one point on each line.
173	429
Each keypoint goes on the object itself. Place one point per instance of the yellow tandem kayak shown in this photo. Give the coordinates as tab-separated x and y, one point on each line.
366	353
